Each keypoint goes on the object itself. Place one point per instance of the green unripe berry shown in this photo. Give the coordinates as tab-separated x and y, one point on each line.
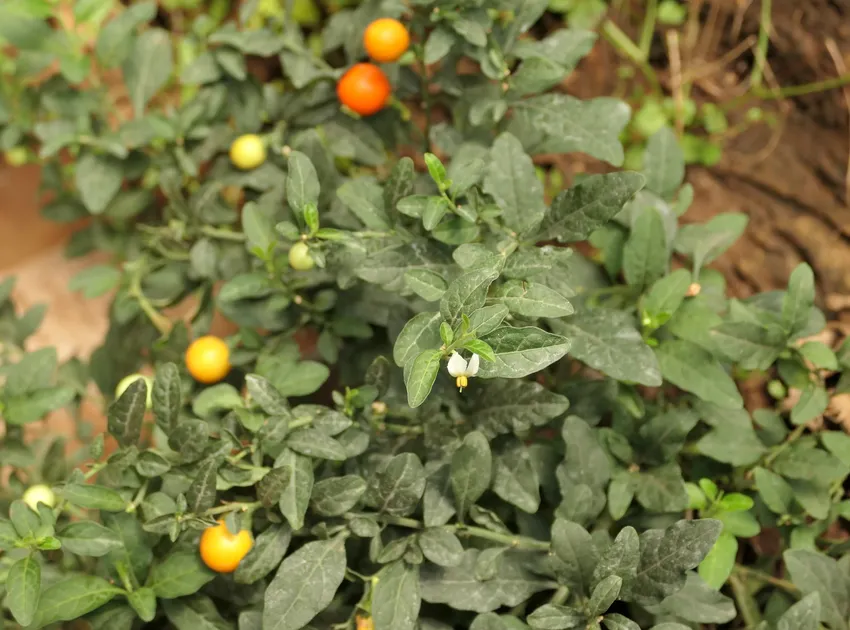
299	257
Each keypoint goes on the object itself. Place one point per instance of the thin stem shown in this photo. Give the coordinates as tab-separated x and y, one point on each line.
792	437
225	235
425	95
761	47
509	540
140	496
233	507
648	29
785	585
744	601
801	90
629	49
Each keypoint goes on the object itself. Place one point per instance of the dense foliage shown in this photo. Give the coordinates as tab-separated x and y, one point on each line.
598	468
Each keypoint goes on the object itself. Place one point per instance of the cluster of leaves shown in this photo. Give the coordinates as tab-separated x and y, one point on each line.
624	486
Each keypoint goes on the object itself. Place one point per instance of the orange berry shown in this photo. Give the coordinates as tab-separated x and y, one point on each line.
364	88
386	40
208	359
221	550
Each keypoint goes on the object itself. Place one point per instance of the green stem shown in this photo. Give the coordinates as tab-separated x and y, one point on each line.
785	585
746	605
509	540
225	235
629	49
761	46
802	90
233	507
140	496
648	29
792	437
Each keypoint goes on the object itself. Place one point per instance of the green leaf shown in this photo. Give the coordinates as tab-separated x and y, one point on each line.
179	574
420	378
819	354
557	123
395	598
194	613
604	594
167	397
664	163
688	366
717	566
266	395
814	572
93	497
466	294
530	299
125	415
814	400
420	333
458	587
591	203
302	182
441	546
23	587
514	185
799	299
265	556
487	319
305	584
201	493
337	495
734	443
95	281
87	538
397	487
804	615
703	243
666	555
296	495
661	489
427	284
615	621
148	67
699	603
575	555
301	378
666	295
73	597
471	468
98	179
313	443
271	487
143	601
522	351
752	346
364	197
400	183
621	558
645	254
556	617
608	341
777	495
506	406
33	372
515	478
116	38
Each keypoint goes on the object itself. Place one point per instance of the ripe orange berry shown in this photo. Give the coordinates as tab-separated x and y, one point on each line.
208	359
364	88
222	551
386	40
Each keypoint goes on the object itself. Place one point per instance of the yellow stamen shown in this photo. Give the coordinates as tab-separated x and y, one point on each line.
461	382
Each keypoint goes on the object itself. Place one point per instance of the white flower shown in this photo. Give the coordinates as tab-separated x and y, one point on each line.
461	370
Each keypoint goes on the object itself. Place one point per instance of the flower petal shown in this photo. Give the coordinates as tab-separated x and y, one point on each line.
457	365
472	370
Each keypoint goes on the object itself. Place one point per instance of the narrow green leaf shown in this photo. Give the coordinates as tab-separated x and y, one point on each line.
23	586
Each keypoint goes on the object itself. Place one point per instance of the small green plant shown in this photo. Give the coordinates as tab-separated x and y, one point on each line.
490	431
